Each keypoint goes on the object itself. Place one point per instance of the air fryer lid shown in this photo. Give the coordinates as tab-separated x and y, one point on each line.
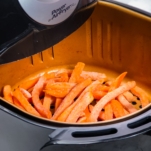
106	46
32	26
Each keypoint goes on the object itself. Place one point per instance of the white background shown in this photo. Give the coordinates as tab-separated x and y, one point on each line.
142	4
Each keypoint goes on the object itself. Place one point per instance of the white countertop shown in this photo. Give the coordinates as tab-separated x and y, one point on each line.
141	4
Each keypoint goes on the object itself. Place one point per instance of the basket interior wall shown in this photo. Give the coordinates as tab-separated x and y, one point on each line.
114	38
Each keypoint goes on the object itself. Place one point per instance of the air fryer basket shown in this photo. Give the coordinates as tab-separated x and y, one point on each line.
114	39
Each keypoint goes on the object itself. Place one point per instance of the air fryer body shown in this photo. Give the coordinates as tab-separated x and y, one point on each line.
23	37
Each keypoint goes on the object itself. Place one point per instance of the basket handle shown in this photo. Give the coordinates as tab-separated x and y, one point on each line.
103	133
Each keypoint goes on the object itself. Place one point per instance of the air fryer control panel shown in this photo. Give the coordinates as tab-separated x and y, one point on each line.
49	12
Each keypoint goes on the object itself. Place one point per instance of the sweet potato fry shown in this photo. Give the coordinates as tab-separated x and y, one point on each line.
81	120
115	84
87	89
76	72
63	116
17	103
102	116
69	99
29	83
97	94
126	112
24	102
35	98
108	111
57	103
118	109
141	94
62	77
7	92
80	107
93	75
91	87
59	89
128	106
107	98
99	91
50	75
26	94
47	101
129	96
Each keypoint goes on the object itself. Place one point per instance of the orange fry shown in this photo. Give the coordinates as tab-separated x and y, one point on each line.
57	103
141	94
107	98
24	102
108	111
29	83
129	96
17	103
76	72
59	89
63	116
97	94
26	94
128	106
102	116
93	75
115	84
67	111
69	99
7	92
35	98
81	119
88	110
118	109
47	101
80	107
62	77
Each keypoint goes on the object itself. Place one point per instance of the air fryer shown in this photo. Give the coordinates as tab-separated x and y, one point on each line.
112	39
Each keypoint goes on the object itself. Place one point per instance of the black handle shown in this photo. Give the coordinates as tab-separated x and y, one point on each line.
102	133
17	48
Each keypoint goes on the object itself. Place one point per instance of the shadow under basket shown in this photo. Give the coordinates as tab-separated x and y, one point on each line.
113	40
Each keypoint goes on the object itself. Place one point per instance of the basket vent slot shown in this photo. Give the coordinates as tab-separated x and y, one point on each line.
140	122
94	133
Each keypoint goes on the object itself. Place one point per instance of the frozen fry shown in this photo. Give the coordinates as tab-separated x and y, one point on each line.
108	113
69	99
128	106
118	109
29	83
63	116
59	89
7	92
24	102
26	94
80	107
81	119
102	116
47	101
35	98
93	75
17	103
141	94
62	77
115	84
107	98
57	103
76	72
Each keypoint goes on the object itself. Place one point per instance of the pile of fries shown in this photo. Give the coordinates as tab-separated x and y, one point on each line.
76	96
